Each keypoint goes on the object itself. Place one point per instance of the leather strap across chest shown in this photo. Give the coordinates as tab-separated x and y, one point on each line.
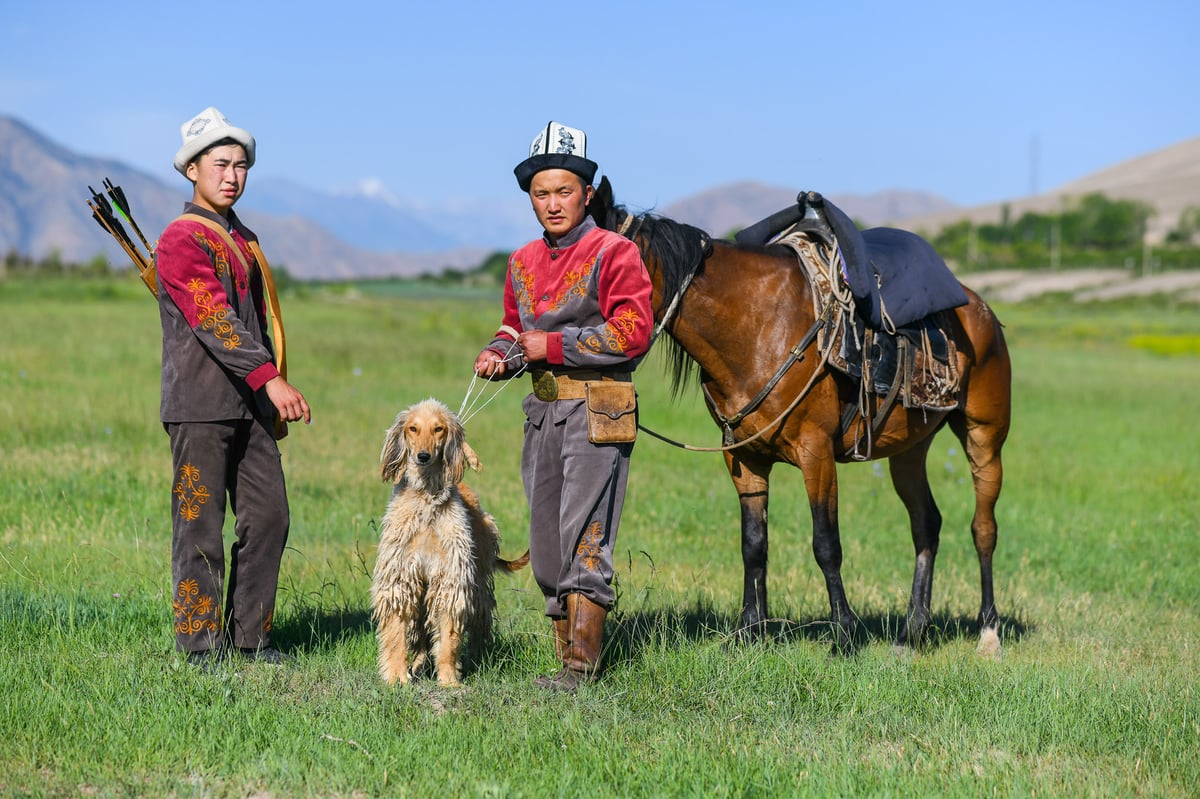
268	283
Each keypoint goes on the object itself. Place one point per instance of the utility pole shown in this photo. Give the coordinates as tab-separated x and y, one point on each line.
1055	243
1033	166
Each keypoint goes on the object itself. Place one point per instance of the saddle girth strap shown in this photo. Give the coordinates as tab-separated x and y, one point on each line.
875	418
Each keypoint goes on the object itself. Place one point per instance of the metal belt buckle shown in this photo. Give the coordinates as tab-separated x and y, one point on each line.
545	386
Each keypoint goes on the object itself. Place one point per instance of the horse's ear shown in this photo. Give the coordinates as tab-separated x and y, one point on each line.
602	202
395	450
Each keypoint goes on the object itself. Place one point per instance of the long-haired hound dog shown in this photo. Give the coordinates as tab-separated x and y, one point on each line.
432	584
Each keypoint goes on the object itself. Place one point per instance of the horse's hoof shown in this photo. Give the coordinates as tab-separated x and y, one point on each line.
843	648
989	644
750	633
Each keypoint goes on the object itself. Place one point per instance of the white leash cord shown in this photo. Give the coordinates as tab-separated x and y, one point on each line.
468	408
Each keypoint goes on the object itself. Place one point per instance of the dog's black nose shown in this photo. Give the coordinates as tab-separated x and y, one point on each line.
424	456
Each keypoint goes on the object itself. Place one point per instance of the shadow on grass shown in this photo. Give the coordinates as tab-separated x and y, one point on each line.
629	633
310	628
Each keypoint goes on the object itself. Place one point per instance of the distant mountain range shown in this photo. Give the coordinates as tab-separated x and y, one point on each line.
725	209
370	232
43	210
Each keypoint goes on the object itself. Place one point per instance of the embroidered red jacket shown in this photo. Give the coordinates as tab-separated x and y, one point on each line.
216	353
591	293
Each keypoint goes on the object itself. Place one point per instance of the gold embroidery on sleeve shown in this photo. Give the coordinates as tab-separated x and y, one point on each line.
213	317
614	336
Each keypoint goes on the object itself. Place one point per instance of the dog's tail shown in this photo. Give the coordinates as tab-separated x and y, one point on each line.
512	565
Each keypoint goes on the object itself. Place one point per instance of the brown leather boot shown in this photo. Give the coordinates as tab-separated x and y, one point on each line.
562	637
581	656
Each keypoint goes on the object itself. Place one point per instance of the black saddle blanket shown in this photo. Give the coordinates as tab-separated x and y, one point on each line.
889	271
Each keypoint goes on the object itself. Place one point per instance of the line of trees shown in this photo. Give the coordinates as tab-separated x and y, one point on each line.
1091	231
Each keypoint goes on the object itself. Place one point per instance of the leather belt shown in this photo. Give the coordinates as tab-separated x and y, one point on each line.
549	387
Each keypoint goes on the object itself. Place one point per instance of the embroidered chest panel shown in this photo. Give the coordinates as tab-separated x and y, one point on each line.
539	294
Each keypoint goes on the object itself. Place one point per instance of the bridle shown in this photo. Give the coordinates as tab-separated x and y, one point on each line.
629	228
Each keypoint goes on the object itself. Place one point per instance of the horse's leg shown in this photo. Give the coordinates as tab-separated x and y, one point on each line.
752	481
982	444
820	479
982	427
911	481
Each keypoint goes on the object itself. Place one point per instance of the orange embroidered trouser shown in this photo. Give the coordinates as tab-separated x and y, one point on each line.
212	460
575	490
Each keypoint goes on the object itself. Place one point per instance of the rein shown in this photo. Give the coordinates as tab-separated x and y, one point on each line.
795	355
727	437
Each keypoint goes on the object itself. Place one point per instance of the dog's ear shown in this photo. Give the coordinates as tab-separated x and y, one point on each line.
454	455
395	450
472	460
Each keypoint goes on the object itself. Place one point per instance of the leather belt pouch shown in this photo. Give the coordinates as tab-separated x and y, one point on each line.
611	412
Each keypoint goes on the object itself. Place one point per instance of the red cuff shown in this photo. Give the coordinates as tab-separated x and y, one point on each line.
554	348
261	376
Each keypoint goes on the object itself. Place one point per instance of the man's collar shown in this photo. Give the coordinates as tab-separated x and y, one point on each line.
229	221
573	235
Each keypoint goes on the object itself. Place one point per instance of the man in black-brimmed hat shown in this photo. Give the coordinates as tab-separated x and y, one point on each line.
577	313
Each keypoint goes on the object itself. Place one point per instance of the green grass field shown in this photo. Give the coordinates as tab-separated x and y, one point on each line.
1098	578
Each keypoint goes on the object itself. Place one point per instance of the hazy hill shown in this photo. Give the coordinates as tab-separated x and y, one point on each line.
376	219
43	210
734	206
1167	179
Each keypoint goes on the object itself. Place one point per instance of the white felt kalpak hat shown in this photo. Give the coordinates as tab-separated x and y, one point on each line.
205	129
556	147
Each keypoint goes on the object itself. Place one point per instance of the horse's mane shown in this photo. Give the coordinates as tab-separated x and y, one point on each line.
677	250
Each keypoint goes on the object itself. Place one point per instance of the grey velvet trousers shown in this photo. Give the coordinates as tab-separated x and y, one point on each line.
575	490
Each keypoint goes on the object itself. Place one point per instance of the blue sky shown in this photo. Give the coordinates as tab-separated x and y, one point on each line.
438	101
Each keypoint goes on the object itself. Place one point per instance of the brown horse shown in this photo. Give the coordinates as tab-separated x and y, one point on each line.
737	313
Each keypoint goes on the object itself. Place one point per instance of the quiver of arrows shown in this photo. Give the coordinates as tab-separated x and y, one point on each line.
103	212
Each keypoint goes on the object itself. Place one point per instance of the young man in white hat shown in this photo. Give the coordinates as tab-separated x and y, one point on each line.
576	312
222	400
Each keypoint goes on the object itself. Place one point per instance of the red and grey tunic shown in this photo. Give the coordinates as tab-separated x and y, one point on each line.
591	293
216	354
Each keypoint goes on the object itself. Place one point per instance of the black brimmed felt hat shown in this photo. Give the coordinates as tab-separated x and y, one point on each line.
556	147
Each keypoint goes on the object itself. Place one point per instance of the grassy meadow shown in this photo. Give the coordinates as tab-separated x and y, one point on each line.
1097	579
